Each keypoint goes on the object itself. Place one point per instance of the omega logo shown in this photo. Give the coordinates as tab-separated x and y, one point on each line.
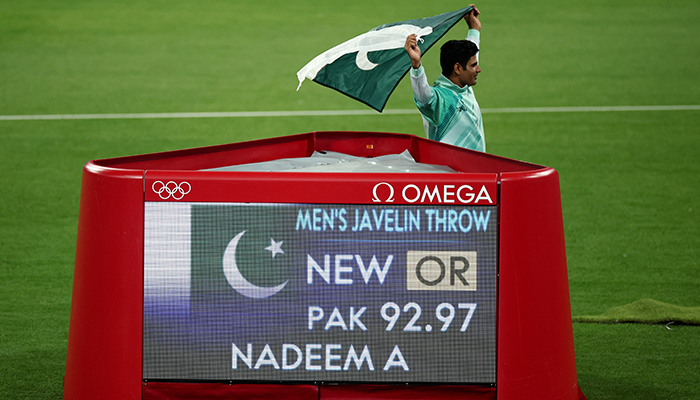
384	192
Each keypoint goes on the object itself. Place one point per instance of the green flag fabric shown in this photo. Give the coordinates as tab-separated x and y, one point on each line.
369	67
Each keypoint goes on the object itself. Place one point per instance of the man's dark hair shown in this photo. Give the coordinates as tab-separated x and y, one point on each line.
456	51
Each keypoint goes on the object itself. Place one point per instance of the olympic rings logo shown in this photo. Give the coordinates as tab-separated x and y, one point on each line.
171	189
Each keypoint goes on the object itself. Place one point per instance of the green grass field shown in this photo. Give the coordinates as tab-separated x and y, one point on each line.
630	180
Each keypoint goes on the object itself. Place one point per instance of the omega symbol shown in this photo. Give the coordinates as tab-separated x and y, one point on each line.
389	199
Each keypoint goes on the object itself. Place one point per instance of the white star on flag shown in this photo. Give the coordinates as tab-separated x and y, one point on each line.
275	247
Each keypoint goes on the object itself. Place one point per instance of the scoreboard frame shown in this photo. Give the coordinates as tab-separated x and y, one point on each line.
534	353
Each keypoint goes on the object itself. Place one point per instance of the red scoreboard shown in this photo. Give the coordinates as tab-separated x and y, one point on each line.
198	279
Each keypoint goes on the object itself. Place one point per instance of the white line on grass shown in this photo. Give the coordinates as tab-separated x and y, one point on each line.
327	113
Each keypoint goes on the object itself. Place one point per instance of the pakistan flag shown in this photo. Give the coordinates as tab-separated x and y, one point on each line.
239	252
370	66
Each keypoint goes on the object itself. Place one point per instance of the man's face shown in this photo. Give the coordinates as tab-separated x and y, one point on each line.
468	75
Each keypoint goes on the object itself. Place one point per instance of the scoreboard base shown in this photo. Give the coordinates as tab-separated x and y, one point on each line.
116	318
192	391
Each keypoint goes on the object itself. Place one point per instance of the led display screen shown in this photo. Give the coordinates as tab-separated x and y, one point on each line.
320	293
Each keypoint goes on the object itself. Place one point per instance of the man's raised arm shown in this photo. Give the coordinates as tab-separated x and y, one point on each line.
419	82
474	34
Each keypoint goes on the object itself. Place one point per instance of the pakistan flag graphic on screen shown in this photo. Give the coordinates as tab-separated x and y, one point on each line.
239	251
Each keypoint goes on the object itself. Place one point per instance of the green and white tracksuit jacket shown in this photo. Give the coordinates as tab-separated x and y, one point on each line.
450	114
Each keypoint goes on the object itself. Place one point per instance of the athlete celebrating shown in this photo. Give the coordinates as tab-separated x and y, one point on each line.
449	108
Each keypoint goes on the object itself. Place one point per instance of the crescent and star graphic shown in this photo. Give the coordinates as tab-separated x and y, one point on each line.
238	282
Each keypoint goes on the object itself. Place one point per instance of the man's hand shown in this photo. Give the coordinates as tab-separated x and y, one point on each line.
413	50
473	19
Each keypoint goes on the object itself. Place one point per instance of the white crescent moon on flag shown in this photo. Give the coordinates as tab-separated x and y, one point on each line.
237	281
393	37
363	62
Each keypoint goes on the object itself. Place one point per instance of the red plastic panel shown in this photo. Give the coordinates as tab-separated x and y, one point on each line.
361	144
191	391
412	392
535	335
104	341
322	188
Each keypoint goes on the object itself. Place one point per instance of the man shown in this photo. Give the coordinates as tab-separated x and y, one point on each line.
449	108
